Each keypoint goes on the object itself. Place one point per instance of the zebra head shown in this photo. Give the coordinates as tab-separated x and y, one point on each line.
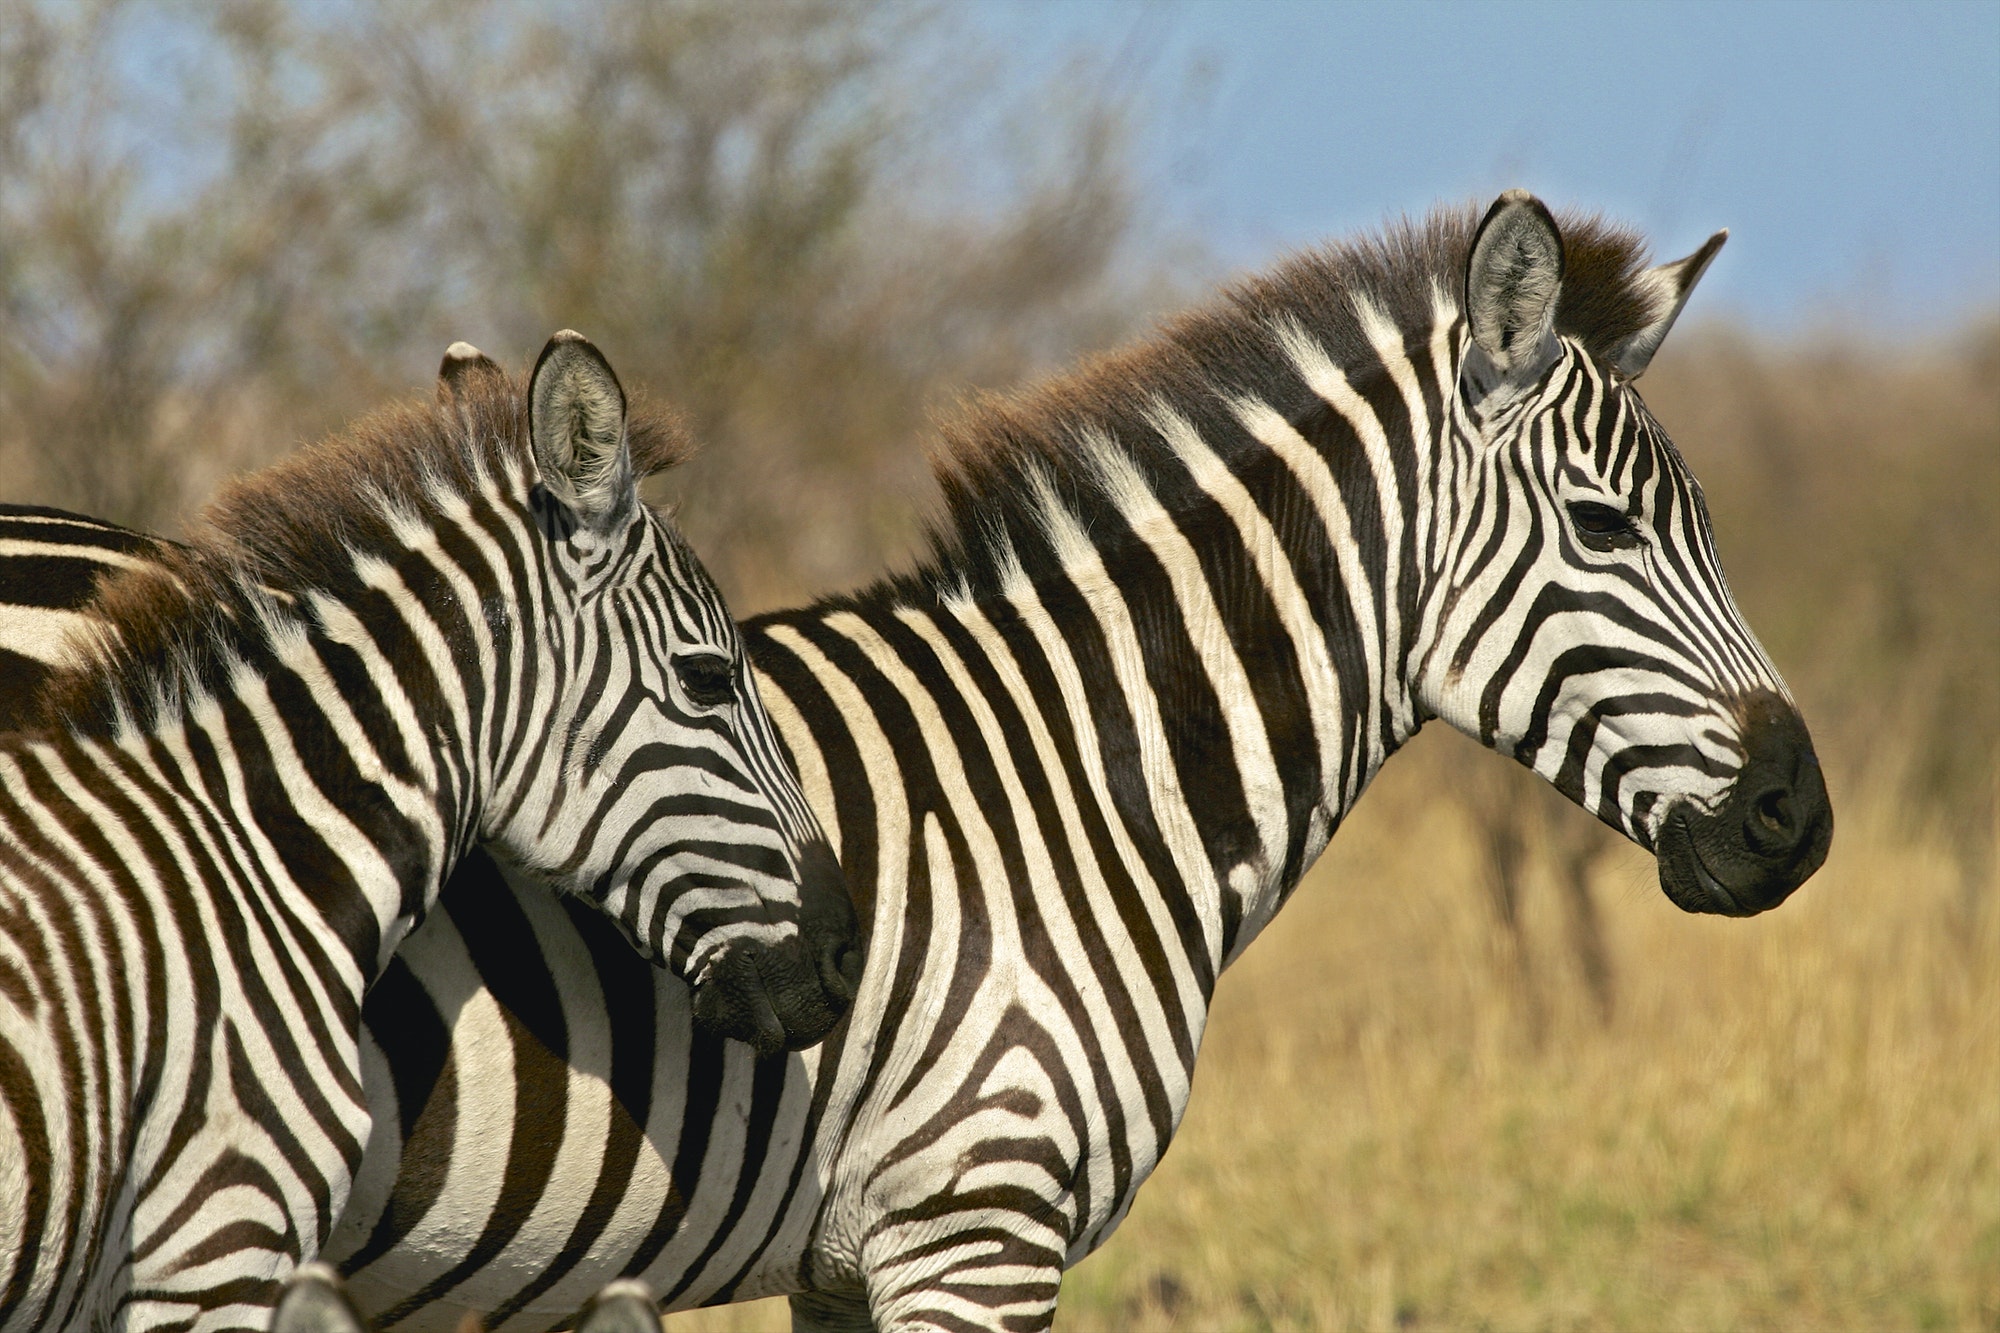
1582	623
654	785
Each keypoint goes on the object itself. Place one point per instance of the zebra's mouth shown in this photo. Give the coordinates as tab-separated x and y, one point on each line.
1686	878
1690	843
775	997
733	999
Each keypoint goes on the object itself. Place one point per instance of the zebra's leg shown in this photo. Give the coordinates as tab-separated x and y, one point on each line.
315	1301
976	1273
831	1312
624	1306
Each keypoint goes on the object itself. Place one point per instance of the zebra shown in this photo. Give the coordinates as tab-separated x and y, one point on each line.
454	626
1181	606
50	563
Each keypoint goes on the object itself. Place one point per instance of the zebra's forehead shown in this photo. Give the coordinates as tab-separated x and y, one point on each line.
692	600
1603	428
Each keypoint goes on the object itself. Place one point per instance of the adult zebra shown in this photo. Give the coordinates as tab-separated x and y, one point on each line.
1182	607
451	626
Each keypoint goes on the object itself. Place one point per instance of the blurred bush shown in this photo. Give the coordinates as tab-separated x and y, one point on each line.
225	228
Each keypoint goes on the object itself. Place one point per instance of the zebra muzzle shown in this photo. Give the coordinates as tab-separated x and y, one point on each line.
772	998
1769	833
733	1002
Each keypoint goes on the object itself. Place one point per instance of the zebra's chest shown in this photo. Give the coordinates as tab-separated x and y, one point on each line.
1020	1034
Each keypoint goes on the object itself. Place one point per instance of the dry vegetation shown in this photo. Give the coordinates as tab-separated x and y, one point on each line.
1481	1073
225	228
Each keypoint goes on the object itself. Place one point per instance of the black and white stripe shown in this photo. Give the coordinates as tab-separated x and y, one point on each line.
1181	609
50	565
260	759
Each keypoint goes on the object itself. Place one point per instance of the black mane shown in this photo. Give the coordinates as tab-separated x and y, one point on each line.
991	451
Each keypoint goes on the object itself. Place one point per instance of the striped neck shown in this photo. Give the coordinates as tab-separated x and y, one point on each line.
329	669
1222	585
1242	536
350	731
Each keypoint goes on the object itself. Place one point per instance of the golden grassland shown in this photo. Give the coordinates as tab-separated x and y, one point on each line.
1792	1121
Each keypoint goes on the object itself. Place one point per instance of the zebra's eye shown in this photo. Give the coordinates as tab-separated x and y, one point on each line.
707	678
1602	528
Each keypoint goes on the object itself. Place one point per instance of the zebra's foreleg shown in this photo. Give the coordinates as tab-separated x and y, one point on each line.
315	1301
624	1306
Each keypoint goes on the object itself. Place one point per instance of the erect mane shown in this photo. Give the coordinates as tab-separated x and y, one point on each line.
998	452
177	628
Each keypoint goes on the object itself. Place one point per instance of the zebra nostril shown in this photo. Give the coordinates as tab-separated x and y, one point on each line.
849	965
1774	810
840	971
1772	828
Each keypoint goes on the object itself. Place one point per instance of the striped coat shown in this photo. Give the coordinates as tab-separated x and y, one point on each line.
454	626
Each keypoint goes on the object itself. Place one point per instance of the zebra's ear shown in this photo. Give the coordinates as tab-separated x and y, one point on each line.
576	421
463	366
1670	285
1512	279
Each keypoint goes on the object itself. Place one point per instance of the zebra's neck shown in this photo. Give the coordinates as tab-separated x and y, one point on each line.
364	790
348	711
1215	586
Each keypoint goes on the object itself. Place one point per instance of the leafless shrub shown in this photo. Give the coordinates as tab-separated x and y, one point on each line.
222	230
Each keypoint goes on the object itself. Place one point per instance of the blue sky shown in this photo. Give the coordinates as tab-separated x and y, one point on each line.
1853	149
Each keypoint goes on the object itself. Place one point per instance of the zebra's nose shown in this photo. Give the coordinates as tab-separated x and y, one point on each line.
1772	828
1770	831
1784	815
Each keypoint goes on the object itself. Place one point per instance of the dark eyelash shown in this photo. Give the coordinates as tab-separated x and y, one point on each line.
708	678
1601	527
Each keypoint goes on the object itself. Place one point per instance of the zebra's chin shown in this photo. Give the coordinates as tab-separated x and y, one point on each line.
1688	883
776	998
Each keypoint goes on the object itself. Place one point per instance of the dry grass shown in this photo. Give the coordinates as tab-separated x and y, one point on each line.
1792	1122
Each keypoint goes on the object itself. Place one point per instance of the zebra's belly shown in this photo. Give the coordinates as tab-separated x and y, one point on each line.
546	1120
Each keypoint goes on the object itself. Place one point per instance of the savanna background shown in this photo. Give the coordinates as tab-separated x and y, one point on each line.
1481	1073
